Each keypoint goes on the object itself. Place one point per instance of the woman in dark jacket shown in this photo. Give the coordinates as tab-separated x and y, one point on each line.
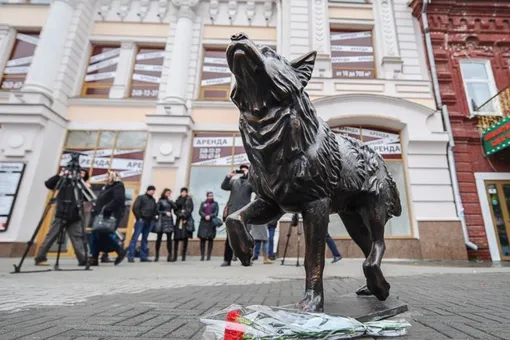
165	223
110	202
184	225
209	210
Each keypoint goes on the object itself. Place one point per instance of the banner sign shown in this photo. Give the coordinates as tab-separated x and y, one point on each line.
17	70
216	69
100	76
146	79
104	55
497	137
214	149
11	175
19	61
27	38
340	48
102	64
151	68
350	36
357	59
217	61
150	55
358	74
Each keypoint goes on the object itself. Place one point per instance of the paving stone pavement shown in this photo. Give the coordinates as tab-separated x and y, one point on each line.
165	301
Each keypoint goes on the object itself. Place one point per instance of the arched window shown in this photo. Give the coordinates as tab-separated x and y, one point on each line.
389	146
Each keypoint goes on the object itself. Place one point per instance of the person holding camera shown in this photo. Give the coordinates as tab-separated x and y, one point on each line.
67	216
240	195
145	211
110	202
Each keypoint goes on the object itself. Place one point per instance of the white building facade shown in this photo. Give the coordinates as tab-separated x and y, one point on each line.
142	87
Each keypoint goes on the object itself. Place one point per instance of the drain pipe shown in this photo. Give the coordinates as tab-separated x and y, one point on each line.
448	128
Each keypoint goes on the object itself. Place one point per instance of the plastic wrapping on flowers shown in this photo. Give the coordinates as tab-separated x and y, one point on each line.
272	323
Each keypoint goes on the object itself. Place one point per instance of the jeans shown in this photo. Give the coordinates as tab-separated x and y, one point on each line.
332	246
270	243
258	246
144	228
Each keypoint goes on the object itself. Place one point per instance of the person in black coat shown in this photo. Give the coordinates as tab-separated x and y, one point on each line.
208	212
110	202
240	195
66	216
184	225
145	211
165	223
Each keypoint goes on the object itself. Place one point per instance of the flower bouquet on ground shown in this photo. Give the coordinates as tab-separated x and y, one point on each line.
272	323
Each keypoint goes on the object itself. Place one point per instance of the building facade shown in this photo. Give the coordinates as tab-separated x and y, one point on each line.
142	87
471	53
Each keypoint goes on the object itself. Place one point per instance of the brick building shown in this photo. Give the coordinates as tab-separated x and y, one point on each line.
471	51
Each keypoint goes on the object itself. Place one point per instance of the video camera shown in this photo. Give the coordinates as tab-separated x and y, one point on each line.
74	164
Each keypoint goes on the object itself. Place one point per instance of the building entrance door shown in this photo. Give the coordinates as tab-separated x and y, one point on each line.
125	227
498	193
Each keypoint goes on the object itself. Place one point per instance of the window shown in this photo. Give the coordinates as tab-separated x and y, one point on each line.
216	76
17	66
352	54
388	145
121	151
101	71
147	73
479	86
214	155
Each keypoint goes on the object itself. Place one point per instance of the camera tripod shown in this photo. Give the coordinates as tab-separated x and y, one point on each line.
294	223
80	190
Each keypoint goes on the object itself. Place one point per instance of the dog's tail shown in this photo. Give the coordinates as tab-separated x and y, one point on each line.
394	206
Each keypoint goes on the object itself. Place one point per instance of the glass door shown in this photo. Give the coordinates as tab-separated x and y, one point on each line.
499	199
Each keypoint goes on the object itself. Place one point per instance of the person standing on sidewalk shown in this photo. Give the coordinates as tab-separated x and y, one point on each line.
271	229
260	235
145	211
240	195
184	225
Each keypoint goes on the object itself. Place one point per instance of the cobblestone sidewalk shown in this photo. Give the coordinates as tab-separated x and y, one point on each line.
443	306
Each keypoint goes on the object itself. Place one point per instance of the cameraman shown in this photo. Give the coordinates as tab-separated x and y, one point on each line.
240	195
66	216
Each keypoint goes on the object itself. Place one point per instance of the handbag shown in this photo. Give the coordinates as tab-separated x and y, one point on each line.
158	225
104	225
217	222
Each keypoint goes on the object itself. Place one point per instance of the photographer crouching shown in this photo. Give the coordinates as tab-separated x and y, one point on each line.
67	216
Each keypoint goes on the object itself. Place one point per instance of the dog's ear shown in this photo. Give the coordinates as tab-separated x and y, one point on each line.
304	66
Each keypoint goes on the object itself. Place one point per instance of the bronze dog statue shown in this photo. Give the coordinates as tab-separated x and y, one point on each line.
299	166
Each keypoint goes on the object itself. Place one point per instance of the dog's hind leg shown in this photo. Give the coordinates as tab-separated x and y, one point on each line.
361	235
259	211
315	221
375	220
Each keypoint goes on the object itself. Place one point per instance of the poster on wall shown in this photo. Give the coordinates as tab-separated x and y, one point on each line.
240	156
212	149
11	175
385	143
352	55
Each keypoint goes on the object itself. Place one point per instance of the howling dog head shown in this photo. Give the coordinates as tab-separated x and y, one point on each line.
263	77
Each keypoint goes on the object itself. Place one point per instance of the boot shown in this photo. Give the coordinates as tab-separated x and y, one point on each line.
184	249
176	250
209	251
267	260
156	257
202	250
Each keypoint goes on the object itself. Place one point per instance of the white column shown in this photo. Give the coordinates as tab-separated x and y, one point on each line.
124	71
48	54
177	85
390	58
7	36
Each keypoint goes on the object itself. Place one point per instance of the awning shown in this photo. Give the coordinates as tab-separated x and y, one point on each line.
497	137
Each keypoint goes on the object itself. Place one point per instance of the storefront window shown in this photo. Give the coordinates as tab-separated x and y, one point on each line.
16	68
214	155
122	151
101	71
147	73
389	146
352	54
216	76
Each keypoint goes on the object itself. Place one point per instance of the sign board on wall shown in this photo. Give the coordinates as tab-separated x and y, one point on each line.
387	144
497	137
11	175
